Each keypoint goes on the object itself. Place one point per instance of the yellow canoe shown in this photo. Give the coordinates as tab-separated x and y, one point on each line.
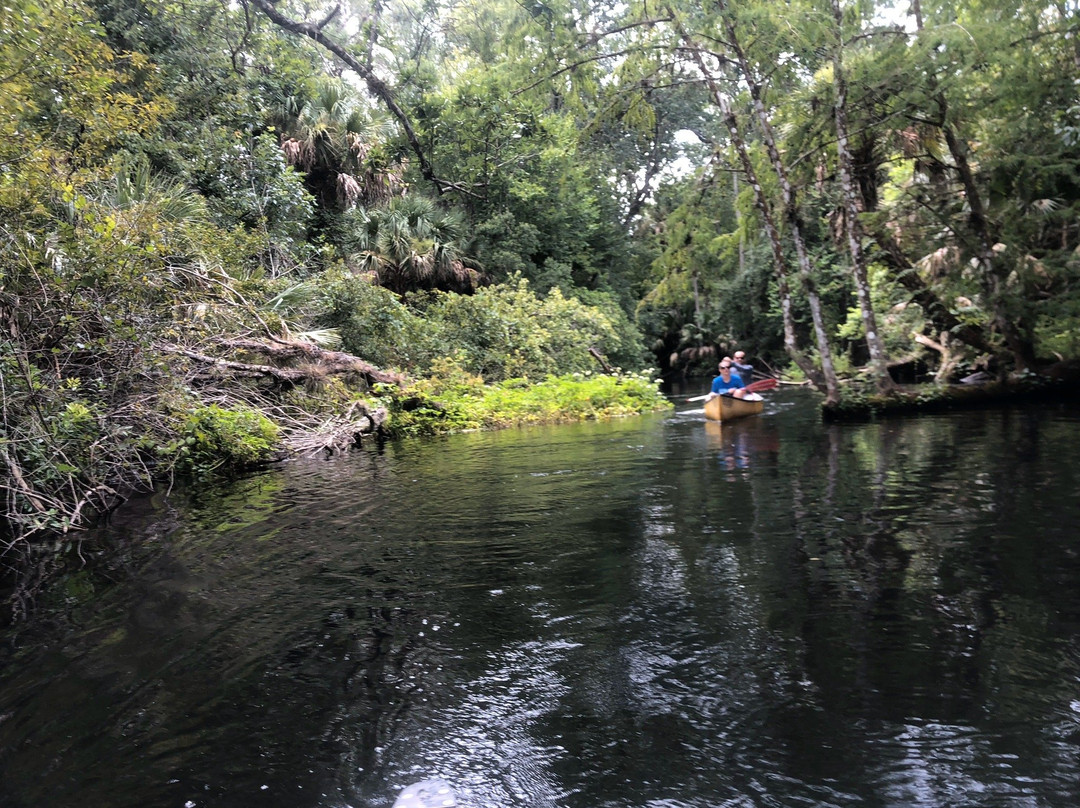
726	408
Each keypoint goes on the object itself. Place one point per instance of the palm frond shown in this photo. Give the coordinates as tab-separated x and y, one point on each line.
295	296
1046	206
323	337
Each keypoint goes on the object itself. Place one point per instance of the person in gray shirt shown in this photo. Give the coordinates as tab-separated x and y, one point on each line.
738	364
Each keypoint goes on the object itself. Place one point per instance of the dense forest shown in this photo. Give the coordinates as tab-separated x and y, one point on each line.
232	228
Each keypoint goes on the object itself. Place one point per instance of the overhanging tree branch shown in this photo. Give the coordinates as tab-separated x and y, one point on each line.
379	88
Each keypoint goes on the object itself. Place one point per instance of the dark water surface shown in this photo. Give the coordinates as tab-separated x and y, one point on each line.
650	612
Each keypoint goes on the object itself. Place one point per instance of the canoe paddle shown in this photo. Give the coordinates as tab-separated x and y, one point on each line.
754	387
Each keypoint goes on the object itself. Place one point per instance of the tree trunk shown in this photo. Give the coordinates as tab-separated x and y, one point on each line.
315	362
791	212
878	357
948	362
826	384
738	224
935	310
993	275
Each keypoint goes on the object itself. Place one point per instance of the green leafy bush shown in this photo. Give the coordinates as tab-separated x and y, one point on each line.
507	331
501	332
214	437
374	323
452	399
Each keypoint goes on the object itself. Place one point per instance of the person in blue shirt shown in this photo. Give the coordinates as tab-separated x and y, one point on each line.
727	383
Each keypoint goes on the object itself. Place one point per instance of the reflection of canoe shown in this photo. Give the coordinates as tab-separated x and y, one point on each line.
725	408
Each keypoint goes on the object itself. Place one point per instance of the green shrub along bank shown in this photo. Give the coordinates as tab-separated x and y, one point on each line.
212	438
453	399
504	331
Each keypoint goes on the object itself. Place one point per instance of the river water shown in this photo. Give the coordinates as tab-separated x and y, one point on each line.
654	611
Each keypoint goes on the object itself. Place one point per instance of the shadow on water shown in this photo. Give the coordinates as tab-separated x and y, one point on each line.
657	611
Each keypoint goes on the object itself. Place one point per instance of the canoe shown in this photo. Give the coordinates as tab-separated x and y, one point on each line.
726	408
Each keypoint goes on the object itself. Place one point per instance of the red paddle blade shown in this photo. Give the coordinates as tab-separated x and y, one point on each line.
762	386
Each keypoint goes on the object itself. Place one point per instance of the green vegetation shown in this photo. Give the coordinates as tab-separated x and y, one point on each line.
226	231
452	399
500	332
214	437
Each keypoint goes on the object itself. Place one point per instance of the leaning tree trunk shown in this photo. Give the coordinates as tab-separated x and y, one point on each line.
791	211
935	310
826	384
993	273
878	357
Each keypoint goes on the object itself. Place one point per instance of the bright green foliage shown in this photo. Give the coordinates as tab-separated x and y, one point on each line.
500	332
214	437
896	324
374	323
508	331
452	400
67	99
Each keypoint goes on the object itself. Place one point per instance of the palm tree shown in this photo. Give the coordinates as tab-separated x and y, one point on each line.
410	244
331	139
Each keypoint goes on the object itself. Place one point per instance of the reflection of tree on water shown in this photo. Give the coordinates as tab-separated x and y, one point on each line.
740	444
693	656
906	533
690	657
883	614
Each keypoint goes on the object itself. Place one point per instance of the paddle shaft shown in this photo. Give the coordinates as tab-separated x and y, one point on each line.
755	387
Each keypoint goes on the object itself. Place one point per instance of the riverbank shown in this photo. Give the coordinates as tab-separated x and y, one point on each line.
205	438
912	399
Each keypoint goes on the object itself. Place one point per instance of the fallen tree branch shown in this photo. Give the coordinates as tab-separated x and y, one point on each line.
32	496
338	433
332	361
948	361
597	356
324	362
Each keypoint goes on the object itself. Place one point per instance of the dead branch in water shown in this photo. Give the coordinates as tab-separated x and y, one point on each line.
338	433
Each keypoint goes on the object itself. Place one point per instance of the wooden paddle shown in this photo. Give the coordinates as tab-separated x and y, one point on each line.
754	387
